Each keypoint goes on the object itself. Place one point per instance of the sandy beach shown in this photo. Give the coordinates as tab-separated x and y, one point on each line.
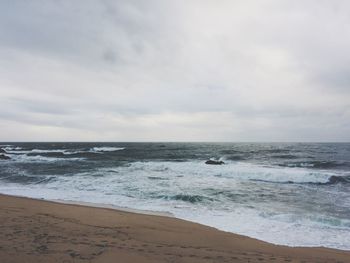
43	231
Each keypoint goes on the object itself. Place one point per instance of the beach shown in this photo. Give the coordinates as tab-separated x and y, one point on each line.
300	190
43	231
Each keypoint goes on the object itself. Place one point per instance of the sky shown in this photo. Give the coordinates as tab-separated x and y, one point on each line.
175	70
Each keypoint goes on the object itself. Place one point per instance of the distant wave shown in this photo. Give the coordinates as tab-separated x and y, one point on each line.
285	156
269	151
314	164
40	159
10	147
19	150
106	149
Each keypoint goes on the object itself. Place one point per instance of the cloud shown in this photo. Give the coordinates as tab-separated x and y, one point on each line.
174	70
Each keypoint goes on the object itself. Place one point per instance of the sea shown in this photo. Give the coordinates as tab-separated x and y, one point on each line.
295	194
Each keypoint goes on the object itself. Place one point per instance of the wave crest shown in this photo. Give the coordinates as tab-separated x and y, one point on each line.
106	149
186	198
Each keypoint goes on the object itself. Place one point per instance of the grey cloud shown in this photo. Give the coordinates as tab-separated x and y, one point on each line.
37	106
124	69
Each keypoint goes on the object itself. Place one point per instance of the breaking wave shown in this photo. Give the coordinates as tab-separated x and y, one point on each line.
40	159
106	149
185	198
314	164
338	180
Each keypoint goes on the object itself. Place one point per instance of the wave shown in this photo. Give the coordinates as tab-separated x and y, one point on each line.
47	151
28	179
40	159
157	178
334	179
106	149
339	180
269	151
315	164
19	150
185	198
285	156
238	171
10	148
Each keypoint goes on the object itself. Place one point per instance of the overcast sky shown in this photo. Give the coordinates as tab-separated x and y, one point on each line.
174	70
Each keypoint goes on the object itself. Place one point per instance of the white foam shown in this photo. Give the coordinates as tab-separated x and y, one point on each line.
18	150
17	153
9	148
290	231
236	170
106	149
25	158
72	152
47	151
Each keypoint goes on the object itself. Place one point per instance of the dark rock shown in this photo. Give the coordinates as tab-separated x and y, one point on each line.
214	162
4	157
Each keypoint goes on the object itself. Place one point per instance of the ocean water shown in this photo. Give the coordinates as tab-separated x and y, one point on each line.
292	194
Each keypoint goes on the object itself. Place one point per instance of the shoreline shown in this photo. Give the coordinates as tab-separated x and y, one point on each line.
35	230
157	213
107	206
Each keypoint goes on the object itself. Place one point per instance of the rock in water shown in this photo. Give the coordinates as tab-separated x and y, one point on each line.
4	157
214	162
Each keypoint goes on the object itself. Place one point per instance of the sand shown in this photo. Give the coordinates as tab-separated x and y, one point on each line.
43	231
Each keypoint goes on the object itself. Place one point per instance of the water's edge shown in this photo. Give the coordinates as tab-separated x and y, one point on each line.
153	213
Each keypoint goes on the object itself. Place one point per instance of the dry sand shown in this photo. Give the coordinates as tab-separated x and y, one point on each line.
42	231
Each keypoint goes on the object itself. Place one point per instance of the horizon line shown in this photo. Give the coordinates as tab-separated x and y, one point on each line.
174	142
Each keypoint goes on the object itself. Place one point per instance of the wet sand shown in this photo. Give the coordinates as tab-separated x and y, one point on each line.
42	231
